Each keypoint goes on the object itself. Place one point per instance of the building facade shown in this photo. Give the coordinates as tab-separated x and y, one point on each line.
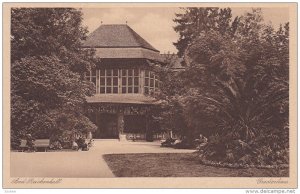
124	80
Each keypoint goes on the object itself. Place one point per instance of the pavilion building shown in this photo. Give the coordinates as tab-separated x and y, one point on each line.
124	80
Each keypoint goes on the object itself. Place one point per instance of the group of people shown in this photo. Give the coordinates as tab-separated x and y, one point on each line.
79	142
184	142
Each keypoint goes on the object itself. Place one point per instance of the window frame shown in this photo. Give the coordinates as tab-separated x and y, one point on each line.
142	81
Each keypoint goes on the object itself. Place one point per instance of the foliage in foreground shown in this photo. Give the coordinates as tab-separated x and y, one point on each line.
236	85
47	66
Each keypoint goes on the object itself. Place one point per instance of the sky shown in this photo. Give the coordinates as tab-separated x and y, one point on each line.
155	24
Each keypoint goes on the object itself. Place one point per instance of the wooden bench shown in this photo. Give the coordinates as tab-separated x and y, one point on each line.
38	144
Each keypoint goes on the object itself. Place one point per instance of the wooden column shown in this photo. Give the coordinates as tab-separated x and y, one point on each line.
122	136
147	127
97	122
147	123
142	81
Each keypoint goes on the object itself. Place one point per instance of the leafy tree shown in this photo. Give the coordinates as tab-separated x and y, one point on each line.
237	90
46	32
170	111
168	114
47	68
195	21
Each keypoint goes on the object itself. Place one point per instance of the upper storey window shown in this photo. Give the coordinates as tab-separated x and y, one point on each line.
123	81
130	80
151	82
91	76
109	81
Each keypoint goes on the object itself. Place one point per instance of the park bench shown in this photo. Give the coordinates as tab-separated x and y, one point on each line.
38	144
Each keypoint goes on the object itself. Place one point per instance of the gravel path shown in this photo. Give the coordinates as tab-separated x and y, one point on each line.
72	164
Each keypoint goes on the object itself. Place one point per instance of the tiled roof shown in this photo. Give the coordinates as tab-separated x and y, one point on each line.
116	36
122	98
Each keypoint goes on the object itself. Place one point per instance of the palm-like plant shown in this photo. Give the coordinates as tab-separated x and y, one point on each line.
239	91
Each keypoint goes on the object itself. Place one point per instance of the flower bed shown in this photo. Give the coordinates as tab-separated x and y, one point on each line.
236	165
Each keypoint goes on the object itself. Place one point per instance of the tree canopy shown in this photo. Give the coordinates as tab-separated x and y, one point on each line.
199	20
47	68
236	85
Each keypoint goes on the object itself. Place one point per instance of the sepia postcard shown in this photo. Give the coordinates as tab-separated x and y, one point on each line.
150	95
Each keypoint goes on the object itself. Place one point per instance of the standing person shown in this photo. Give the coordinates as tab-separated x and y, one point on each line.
30	142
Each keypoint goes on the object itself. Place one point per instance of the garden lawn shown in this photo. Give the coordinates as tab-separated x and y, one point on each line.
177	165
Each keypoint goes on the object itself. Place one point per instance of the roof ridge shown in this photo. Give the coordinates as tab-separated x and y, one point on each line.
138	38
116	35
131	32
